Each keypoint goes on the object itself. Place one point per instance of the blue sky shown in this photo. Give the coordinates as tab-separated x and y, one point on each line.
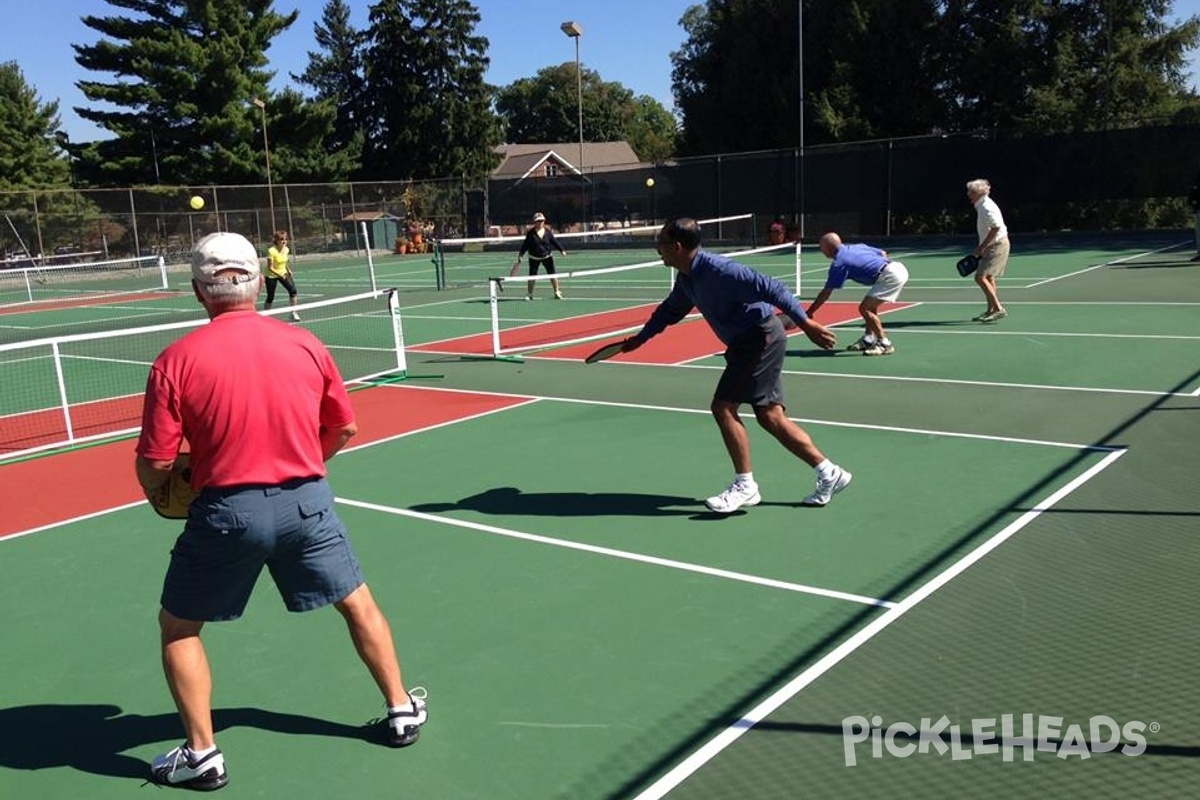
627	41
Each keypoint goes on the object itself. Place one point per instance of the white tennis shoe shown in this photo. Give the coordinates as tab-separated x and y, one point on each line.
737	495
180	767
828	487
862	344
404	727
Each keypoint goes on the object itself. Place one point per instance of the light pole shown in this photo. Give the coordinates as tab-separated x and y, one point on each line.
800	60
575	31
267	155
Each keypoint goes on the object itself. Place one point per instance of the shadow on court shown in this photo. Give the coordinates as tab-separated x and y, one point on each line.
511	500
1187	262
889	324
93	738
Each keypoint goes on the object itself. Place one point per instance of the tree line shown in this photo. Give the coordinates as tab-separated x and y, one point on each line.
183	89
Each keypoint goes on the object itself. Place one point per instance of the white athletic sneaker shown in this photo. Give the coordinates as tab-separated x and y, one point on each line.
828	487
295	317
737	495
862	344
181	768
880	349
403	727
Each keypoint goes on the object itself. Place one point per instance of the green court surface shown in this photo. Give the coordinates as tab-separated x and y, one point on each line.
1021	538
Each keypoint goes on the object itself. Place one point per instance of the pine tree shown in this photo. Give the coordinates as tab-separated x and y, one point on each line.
869	71
428	109
184	76
30	156
336	74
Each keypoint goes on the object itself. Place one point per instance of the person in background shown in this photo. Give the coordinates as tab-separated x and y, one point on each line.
263	408
777	233
279	270
869	266
992	249
739	305
540	244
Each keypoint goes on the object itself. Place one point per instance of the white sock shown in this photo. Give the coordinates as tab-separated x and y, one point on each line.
744	477
403	707
199	754
868	338
825	468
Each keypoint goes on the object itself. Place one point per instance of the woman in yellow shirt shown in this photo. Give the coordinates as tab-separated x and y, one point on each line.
279	271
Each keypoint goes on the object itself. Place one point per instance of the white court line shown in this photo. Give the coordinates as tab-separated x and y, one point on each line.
455	421
528	399
705	411
902	379
621	554
1101	303
1001	384
1099	266
991	331
62	522
706	753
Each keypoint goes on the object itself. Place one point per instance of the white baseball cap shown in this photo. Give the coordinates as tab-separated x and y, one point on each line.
539	217
222	251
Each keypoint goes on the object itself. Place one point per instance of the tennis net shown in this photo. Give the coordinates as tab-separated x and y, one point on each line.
77	282
472	262
529	315
74	389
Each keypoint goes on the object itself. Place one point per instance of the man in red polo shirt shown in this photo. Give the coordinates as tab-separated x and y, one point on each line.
262	408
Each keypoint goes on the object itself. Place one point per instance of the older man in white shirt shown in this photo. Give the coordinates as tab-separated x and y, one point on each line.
992	249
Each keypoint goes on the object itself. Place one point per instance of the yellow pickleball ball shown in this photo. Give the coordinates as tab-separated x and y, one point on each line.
197	202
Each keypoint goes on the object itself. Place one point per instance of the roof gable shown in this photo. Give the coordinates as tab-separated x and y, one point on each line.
521	159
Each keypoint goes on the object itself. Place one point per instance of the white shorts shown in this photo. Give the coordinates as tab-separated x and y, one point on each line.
889	283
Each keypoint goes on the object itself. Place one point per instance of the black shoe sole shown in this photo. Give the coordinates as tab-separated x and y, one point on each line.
403	740
200	783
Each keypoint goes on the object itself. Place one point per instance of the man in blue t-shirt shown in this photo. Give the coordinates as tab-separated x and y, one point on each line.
739	305
869	266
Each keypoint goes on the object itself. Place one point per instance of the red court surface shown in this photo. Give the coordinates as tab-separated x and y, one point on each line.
678	344
83	301
50	489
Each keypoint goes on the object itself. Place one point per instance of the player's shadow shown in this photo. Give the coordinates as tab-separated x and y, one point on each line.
509	500
1185	262
815	352
94	738
930	323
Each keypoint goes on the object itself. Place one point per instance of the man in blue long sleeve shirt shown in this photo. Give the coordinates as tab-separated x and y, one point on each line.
739	305
869	266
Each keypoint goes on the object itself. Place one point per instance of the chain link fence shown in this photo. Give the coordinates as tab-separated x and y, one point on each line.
1118	179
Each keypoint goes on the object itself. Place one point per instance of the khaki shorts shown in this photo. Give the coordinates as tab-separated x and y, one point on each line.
889	283
994	259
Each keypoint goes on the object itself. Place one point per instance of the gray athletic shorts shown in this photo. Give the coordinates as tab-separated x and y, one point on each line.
231	533
753	362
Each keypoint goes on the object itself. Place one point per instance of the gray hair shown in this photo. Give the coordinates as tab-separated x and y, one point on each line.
979	186
227	294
